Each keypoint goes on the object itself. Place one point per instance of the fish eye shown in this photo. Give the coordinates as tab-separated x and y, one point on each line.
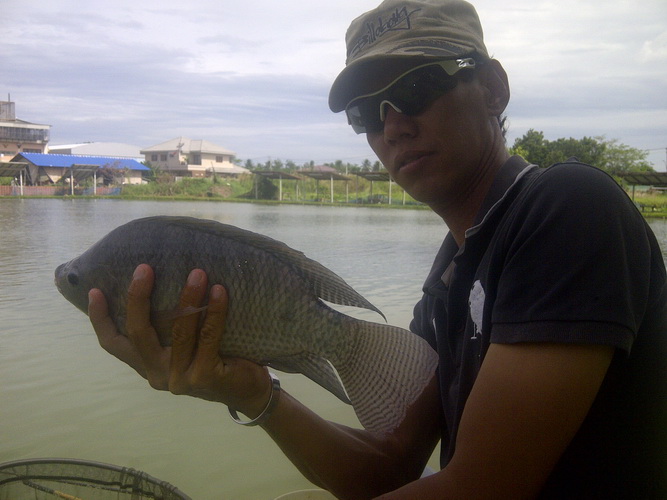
73	279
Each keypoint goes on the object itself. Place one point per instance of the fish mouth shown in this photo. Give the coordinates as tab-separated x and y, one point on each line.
57	278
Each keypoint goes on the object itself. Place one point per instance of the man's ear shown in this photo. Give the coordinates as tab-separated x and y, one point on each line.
494	78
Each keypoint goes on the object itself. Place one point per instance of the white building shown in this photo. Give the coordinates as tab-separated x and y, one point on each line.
184	157
19	136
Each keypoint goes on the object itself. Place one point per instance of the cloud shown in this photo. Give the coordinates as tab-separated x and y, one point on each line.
655	50
255	77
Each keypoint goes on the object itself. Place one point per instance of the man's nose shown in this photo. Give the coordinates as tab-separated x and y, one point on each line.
396	124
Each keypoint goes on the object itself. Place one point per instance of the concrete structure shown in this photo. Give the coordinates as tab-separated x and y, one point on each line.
184	157
18	136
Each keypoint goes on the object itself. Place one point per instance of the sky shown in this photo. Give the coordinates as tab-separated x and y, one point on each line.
254	76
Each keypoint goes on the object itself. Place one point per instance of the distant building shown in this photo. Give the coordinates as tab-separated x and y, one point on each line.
18	136
45	169
115	149
183	157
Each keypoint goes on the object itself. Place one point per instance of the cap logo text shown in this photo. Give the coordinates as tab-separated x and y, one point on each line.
398	20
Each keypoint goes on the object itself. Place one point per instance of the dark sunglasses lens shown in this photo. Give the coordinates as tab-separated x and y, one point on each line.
412	94
416	91
364	115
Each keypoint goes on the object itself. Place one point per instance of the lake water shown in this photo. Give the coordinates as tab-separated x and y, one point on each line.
61	395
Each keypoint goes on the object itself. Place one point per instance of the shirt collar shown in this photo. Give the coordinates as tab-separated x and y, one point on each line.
443	266
508	175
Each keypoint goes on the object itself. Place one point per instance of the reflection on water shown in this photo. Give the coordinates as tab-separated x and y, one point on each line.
61	395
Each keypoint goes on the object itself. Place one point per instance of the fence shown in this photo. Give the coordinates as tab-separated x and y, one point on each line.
57	191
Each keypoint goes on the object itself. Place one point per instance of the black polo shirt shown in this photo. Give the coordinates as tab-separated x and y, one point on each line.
561	255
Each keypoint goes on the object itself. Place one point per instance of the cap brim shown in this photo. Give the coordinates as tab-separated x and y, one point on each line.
374	71
364	77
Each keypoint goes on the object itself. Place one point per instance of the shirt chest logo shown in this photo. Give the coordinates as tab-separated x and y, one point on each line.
476	304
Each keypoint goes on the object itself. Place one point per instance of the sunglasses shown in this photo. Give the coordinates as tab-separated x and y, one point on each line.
409	94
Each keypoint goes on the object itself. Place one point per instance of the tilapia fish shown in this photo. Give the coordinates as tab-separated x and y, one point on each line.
276	314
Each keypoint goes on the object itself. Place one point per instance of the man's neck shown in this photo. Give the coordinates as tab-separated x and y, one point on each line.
460	215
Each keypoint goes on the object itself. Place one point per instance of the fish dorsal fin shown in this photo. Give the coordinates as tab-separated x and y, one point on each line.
323	282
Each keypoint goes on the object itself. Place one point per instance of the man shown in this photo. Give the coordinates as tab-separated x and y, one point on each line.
547	302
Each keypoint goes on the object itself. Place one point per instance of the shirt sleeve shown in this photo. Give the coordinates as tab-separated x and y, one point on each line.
421	325
575	262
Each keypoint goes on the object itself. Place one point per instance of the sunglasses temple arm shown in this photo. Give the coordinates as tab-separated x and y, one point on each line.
383	115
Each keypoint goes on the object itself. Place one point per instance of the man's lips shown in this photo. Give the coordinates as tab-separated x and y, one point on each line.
408	159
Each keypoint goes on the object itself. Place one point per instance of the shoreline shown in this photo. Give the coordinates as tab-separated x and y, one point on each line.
653	214
408	206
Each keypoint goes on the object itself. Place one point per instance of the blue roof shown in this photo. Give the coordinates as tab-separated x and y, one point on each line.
66	161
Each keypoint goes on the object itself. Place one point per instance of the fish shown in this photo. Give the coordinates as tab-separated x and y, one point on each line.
280	311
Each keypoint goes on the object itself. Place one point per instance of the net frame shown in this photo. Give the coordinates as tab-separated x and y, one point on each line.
75	479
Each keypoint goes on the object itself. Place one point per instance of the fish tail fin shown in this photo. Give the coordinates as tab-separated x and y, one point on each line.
385	370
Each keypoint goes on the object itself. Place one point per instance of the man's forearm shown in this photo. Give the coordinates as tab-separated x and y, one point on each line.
351	463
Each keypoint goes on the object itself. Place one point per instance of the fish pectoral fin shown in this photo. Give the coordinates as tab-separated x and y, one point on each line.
186	311
318	369
163	321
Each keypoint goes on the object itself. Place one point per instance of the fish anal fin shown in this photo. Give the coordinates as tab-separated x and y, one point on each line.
318	369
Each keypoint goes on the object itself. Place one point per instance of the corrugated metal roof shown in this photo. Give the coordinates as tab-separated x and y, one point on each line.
658	179
234	169
66	161
9	169
276	174
374	176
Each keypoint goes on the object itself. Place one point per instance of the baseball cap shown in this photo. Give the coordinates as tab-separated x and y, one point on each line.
401	33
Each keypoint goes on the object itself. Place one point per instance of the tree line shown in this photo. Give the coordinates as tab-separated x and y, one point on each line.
290	166
607	154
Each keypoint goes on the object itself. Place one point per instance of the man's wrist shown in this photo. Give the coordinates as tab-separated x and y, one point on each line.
274	396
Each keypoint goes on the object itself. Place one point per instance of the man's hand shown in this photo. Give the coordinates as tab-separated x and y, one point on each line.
192	365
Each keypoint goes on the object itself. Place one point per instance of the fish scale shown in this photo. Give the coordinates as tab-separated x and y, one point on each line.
276	314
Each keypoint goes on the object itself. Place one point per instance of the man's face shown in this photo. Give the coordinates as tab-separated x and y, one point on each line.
438	156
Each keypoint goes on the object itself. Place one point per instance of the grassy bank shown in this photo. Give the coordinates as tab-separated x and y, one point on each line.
357	192
250	189
652	204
